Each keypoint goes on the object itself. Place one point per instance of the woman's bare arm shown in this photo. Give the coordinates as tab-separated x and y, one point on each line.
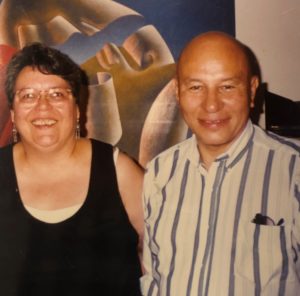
130	181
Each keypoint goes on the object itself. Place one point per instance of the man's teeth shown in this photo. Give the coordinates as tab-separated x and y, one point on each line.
213	121
44	122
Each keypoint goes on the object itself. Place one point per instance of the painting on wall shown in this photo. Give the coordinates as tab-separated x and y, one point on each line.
128	50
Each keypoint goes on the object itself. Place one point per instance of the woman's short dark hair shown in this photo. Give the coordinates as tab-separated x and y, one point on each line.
47	60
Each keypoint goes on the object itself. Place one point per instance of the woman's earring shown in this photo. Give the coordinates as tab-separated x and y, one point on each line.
77	130
14	134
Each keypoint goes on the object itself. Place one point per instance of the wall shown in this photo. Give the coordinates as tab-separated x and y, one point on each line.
271	28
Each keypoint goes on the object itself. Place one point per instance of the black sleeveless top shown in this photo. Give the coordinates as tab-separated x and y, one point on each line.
94	252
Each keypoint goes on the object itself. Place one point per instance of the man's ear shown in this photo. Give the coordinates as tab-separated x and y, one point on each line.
253	87
176	86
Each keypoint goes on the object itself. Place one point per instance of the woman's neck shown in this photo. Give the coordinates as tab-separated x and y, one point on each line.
36	156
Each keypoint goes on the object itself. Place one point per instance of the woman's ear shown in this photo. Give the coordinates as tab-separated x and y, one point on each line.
12	115
77	112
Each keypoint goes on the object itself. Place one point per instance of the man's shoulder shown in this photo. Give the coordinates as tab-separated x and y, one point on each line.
166	167
161	167
182	147
276	142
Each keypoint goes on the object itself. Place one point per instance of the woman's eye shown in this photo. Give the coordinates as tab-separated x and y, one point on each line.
56	95
28	97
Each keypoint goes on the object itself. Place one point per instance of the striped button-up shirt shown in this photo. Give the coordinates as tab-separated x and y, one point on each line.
201	235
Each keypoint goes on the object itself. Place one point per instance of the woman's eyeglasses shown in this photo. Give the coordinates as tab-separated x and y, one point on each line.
29	97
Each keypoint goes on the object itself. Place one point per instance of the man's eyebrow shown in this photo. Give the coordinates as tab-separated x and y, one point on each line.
237	77
189	80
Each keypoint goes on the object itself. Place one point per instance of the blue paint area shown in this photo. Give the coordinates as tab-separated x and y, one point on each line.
180	20
177	21
81	47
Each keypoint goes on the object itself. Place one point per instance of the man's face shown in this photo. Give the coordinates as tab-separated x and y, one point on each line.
215	93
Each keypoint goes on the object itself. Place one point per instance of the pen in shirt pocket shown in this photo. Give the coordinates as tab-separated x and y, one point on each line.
265	220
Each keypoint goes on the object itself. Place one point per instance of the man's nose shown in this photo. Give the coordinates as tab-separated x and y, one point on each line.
212	102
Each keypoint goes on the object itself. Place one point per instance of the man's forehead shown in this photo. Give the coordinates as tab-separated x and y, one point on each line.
222	63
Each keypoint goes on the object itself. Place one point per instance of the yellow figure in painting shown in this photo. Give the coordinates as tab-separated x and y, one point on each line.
130	68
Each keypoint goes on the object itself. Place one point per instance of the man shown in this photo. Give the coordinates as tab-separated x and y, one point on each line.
222	208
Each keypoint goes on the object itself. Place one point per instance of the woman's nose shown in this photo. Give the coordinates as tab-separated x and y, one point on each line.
42	101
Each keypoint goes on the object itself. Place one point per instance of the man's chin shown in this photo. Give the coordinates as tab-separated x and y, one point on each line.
216	142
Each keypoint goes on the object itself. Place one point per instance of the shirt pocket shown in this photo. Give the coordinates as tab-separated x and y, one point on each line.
264	255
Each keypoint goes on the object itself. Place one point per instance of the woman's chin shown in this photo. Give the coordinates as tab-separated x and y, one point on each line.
46	141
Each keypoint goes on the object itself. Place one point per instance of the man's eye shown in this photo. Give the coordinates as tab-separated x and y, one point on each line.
195	87
227	87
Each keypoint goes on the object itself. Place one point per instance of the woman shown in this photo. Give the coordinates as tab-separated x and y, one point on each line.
70	214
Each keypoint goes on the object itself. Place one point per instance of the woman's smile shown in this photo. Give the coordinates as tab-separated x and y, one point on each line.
44	122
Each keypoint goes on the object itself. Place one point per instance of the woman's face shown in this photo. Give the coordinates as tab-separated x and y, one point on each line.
44	110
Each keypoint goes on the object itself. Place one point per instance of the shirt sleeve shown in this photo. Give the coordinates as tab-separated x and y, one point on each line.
147	280
296	223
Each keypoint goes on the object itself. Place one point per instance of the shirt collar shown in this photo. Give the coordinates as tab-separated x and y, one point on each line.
238	147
